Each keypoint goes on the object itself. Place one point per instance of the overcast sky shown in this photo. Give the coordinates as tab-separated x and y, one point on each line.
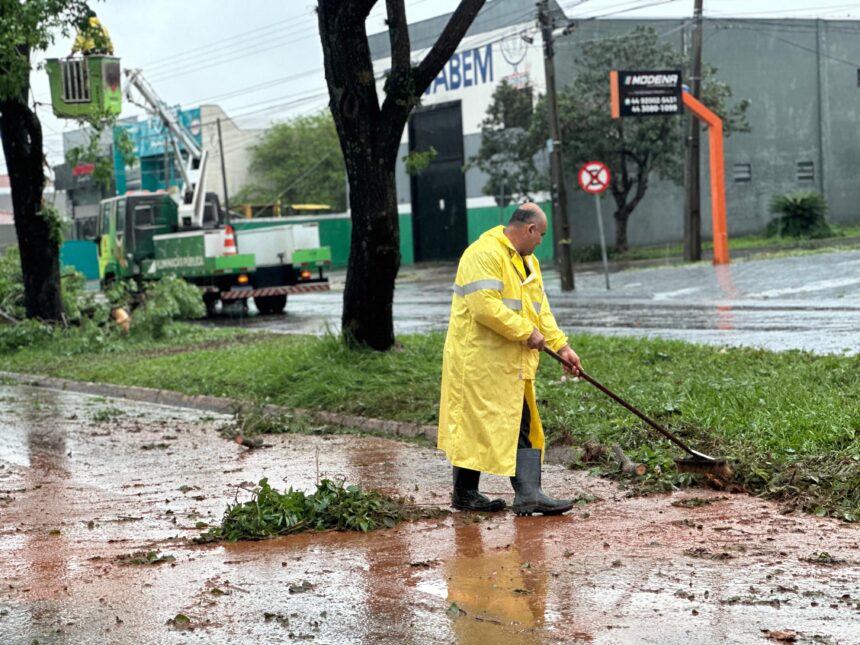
261	59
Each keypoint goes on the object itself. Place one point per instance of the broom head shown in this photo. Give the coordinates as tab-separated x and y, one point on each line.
715	467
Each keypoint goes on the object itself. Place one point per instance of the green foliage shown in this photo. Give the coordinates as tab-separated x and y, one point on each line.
52	216
285	153
415	162
144	558
80	305
27	27
24	334
99	155
635	149
251	420
11	284
164	301
801	214
510	143
77	303
333	506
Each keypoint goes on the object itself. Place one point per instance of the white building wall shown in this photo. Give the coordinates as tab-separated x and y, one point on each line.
237	154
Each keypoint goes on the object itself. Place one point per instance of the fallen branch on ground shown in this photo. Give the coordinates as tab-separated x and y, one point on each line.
628	467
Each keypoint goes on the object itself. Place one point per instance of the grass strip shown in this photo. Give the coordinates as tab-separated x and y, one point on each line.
787	421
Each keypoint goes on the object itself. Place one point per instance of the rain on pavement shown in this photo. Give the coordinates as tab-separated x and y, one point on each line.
84	480
809	302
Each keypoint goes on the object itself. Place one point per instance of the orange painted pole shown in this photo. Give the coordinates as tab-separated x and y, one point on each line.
718	179
614	96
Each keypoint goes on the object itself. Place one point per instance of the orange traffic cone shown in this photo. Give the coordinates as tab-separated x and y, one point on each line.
229	241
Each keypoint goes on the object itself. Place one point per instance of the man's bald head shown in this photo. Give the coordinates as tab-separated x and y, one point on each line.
526	228
528	213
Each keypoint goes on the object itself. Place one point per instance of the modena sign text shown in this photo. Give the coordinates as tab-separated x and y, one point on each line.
646	93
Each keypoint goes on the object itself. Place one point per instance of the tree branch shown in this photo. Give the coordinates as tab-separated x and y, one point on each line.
350	10
398	35
453	33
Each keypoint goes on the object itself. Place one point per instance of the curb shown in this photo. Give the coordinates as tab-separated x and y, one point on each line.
222	405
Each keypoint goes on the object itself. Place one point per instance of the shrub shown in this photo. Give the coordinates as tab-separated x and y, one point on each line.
11	284
164	301
801	214
24	334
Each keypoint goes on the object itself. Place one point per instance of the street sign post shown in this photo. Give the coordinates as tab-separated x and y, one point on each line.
594	178
645	93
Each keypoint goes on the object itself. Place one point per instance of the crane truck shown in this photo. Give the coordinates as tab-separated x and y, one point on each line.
147	235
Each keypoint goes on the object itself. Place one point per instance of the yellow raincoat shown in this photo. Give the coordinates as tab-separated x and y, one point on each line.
93	38
487	368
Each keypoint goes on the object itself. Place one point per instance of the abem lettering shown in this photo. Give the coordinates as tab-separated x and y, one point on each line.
464	69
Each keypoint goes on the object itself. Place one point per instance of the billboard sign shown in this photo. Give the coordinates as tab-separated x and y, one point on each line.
645	93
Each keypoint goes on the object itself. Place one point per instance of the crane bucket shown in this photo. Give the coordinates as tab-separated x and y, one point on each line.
85	87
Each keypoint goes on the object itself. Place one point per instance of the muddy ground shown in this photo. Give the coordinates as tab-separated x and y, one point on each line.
86	482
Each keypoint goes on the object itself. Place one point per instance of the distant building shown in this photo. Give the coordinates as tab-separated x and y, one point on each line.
155	168
7	218
801	76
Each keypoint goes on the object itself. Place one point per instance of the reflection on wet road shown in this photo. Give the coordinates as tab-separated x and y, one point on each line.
84	480
807	302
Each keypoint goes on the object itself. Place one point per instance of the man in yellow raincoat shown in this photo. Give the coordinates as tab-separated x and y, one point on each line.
500	321
92	37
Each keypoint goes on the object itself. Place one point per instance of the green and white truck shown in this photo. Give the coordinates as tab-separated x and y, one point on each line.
139	237
147	235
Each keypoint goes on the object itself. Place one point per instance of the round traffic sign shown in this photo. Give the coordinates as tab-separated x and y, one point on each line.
594	177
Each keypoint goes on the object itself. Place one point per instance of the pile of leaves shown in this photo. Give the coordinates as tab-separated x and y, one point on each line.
334	506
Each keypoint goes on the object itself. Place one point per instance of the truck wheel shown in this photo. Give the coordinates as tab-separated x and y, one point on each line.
211	301
271	304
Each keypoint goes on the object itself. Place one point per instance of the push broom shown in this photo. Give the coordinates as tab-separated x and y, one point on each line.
698	462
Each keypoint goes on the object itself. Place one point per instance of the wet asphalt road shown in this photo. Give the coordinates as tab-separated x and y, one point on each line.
86	480
809	302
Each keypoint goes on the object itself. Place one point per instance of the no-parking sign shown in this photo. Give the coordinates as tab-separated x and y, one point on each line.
594	177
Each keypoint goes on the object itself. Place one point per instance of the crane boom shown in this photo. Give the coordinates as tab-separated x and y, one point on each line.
192	169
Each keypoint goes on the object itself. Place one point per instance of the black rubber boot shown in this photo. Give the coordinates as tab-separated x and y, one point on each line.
529	498
466	496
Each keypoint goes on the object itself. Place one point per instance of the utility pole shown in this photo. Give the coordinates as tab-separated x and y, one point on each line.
223	168
560	222
166	167
692	186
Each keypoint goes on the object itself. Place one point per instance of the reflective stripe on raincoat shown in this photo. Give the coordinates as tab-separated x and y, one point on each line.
487	369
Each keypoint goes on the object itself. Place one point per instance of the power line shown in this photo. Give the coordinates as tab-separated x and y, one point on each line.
252	88
214	45
226	57
853	5
799	46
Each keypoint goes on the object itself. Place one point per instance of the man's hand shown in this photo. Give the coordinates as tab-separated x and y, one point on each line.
570	356
536	341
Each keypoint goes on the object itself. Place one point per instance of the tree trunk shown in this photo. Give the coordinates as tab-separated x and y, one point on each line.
621	217
370	136
374	255
40	262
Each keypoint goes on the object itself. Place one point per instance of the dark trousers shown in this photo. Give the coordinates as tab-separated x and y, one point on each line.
525	422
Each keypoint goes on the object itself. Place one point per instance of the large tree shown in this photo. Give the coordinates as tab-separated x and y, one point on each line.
280	163
27	26
509	146
370	133
633	148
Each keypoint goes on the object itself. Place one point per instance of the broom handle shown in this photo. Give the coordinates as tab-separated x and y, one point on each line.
627	405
